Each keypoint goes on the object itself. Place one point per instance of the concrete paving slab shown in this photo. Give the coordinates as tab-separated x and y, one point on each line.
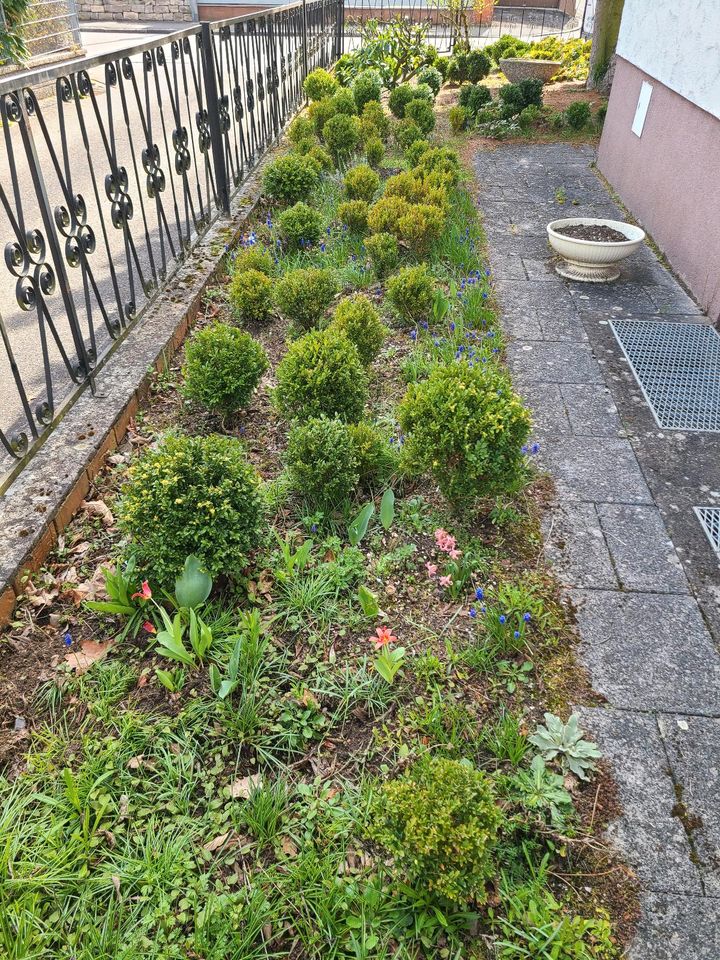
591	410
576	547
554	362
595	470
642	552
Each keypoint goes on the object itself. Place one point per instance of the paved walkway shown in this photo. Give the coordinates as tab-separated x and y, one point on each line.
622	537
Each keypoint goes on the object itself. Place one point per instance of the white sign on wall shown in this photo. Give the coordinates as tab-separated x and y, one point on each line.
642	108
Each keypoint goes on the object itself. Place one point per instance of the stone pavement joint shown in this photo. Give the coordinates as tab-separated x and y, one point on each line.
622	536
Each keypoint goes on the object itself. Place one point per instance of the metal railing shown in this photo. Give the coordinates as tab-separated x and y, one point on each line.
107	184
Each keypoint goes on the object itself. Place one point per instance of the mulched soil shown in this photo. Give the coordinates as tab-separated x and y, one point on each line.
592	231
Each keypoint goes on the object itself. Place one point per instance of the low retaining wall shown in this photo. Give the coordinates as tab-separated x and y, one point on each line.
173	11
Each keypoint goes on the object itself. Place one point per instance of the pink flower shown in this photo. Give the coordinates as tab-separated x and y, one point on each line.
431	569
454	554
445	541
145	593
384	636
445	581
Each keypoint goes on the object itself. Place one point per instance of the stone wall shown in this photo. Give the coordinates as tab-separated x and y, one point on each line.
170	10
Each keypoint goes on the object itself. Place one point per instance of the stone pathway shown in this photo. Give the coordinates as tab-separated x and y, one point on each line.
623	537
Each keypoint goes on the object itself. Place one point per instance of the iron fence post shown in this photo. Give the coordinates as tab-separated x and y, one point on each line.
216	135
304	39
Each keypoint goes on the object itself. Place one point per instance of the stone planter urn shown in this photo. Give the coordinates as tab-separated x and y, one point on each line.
517	69
592	261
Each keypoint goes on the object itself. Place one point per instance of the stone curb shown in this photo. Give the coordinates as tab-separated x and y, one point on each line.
42	499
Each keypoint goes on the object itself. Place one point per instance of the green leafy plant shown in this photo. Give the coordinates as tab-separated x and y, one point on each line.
565	744
473	97
578	115
365	87
301	129
441	160
399	98
458	117
542	793
342	136
517	96
420	227
321	157
191	495
375	115
300	226
344	102
290	178
411	292
395	48
360	322
431	76
304	295
223	366
319	84
419	111
322	374
386	212
250	295
320	112
383	252
358	526
193	586
374	151
439	822
120	586
387	508
415	151
172	680
361	182
406	132
321	460
354	215
368	602
170	642
390	660
377	459
254	258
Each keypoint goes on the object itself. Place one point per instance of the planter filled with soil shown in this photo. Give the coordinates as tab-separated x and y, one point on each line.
592	248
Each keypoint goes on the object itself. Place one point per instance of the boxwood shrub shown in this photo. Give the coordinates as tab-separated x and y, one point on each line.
359	320
304	295
290	178
321	460
250	295
223	366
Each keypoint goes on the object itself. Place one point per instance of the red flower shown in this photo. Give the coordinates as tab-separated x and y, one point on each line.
145	593
150	627
384	637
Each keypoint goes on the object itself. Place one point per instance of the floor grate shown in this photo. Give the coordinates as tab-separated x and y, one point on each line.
709	517
678	368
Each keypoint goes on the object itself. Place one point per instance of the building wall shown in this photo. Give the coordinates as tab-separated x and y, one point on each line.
669	177
172	11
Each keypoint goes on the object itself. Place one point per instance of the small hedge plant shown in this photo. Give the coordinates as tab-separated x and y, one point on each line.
319	84
290	178
360	322
342	135
191	495
366	87
361	182
374	114
344	102
377	459
406	133
223	366
321	460
254	258
354	215
411	291
250	295
432	77
578	115
321	375
439	822
399	98
301	129
300	226
320	112
517	96
415	151
421	113
466	427
473	66
385	213
304	295
383	252
473	97
458	117
374	151
421	226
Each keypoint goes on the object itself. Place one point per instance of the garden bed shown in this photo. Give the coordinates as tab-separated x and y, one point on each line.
353	765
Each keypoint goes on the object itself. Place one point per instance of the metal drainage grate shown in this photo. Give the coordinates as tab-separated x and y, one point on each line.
678	368
709	517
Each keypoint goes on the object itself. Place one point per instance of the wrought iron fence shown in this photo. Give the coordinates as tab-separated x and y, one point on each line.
107	183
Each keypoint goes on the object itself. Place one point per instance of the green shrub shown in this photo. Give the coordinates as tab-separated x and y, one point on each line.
441	160
458	118
473	97
411	292
322	375
360	322
421	226
421	113
424	92
377	459
290	178
432	77
254	258
578	114
385	214
374	151
406	133
300	226
517	96
478	65
250	295
365	87
529	115
320	112
301	129
361	182
344	102
406	185
321	157
399	98
319	84
321	460
601	113
439	822
465	426
383	252
223	366
415	151
191	495
457	69
354	215
303	147
374	113
303	296
342	135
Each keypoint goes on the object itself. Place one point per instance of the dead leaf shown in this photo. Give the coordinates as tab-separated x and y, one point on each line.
135	762
88	654
216	842
98	508
116	883
242	788
288	847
